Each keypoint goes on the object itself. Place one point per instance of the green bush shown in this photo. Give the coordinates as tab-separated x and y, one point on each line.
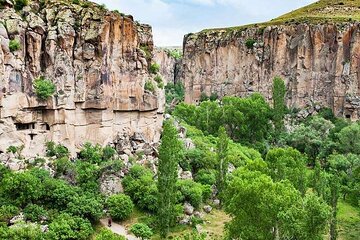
44	88
206	177
85	205
204	97
66	226
20	4
120	206
91	154
35	213
175	53
11	149
56	150
141	231
149	86
250	43
14	45
107	234
141	187
174	92
154	68
7	212
77	2
191	192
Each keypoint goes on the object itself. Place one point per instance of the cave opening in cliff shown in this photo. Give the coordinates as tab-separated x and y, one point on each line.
32	135
348	116
24	126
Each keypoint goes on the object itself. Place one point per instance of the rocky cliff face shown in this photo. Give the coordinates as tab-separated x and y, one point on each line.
94	57
320	64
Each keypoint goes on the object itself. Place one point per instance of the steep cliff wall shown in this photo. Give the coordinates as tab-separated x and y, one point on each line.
93	56
319	62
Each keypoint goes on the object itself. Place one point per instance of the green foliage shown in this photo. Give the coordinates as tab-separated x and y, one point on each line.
12	149
85	205
250	43
76	2
44	88
14	45
190	191
206	177
287	164
204	97
175	53
7	212
35	213
87	176
349	139
279	104
154	68
141	187
149	86
120	206
159	81
311	137
66	226
247	199
174	92
103	7
107	234
141	231
170	154
56	150
221	155
21	231
20	4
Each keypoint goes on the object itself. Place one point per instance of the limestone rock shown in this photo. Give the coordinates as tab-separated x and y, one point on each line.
207	208
188	209
111	184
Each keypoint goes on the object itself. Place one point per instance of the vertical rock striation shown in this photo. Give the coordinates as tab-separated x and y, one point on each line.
93	57
319	62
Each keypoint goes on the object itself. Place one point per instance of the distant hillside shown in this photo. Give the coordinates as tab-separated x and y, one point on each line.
318	12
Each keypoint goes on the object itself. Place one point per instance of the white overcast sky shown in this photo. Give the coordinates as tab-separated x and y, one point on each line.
172	19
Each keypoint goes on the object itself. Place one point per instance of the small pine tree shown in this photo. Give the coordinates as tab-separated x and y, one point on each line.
222	148
170	154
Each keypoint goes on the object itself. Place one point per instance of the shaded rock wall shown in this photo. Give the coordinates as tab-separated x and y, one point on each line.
93	56
320	64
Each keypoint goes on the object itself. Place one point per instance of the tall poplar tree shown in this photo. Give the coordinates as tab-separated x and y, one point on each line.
170	153
222	148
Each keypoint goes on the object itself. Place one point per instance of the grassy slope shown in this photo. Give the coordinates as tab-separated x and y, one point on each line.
318	12
348	221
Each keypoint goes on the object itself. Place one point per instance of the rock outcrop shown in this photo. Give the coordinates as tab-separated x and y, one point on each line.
320	64
94	58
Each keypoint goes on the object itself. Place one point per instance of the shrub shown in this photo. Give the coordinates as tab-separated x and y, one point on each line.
204	97
63	166
20	4
120	206
77	2
11	149
35	213
250	43
85	205
108	153
214	97
103	7
149	86
91	154
141	230
206	177
56	150
159	81
44	88
175	53
190	192
14	45
154	68
174	92
7	212
107	234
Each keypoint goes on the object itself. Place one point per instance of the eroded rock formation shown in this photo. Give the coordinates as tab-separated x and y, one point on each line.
320	64
94	57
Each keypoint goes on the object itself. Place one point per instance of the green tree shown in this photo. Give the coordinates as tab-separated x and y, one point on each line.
67	227
256	203
141	231
221	152
279	104
287	163
349	139
107	234
120	206
170	154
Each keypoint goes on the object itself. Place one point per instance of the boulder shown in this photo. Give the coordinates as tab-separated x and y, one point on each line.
188	209
207	208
